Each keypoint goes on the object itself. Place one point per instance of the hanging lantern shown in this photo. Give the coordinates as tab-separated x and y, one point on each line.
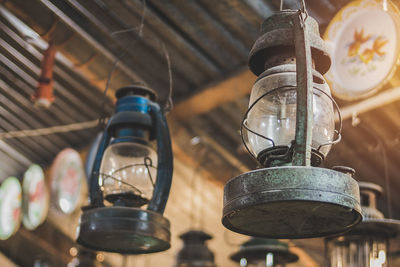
367	244
130	182
195	252
259	252
289	129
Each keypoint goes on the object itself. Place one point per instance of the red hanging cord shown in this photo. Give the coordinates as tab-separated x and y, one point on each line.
43	97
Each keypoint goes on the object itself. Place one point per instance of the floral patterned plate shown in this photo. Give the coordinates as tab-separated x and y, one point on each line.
364	42
35	200
10	207
67	176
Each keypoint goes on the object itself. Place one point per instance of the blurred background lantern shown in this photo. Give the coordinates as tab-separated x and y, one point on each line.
259	252
132	177
367	244
289	129
195	252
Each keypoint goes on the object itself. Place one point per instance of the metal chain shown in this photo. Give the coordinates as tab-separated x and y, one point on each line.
50	130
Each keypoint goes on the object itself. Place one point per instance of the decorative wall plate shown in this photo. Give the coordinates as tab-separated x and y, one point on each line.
10	207
67	175
364	42
35	201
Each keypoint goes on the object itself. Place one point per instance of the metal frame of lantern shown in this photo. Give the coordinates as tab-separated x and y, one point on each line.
372	233
256	250
195	253
123	228
290	197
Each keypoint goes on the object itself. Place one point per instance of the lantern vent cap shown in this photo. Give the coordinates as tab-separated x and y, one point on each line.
139	89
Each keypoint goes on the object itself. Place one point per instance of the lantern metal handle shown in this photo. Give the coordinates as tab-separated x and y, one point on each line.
95	194
165	160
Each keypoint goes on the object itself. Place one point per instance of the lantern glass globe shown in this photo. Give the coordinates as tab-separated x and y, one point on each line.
128	172
274	116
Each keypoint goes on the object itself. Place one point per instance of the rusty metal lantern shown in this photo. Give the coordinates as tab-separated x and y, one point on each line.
289	128
367	244
264	252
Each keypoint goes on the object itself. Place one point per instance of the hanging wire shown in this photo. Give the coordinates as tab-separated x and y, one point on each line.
103	116
169	103
50	130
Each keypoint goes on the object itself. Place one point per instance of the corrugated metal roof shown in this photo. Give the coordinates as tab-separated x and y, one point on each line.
207	41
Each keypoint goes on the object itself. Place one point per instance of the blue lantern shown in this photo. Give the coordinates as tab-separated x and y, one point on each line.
129	180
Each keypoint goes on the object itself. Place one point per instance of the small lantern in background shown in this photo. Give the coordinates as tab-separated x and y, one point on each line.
195	252
130	181
43	97
289	129
367	244
259	252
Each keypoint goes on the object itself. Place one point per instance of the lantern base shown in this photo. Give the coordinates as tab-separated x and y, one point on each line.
124	230
291	202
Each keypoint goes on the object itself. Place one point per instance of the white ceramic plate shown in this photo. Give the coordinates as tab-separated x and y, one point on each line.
35	197
10	207
364	41
67	175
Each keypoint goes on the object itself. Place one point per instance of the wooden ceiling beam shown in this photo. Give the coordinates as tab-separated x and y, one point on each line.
215	95
385	98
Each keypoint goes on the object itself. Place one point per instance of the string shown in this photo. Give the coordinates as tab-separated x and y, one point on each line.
168	105
50	130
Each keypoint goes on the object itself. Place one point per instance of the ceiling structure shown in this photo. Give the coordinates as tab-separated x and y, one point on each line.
208	44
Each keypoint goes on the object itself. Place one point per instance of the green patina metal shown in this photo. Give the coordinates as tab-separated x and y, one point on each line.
304	117
297	201
291	202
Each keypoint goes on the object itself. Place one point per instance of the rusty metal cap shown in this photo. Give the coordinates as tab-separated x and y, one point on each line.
138	88
277	33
